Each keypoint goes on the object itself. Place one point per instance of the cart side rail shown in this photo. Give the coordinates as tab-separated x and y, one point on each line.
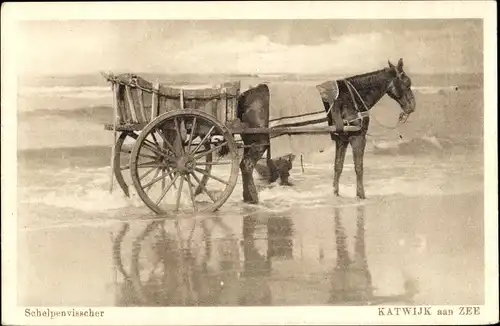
139	101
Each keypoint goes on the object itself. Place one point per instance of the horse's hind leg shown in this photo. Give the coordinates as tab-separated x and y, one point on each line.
251	156
358	144
340	151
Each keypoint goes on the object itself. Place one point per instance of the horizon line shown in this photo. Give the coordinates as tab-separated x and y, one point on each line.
249	74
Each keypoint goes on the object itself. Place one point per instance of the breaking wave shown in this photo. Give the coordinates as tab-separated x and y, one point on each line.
104	92
425	145
67	91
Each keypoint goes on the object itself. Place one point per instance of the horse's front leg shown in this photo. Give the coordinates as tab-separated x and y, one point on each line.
340	151
358	144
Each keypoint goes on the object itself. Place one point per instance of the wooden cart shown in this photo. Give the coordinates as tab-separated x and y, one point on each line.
167	139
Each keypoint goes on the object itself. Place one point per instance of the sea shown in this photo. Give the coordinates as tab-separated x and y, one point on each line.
422	219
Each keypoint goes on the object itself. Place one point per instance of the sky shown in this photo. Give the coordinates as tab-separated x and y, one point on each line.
248	46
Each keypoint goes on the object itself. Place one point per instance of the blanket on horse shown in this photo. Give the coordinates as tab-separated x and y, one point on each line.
296	105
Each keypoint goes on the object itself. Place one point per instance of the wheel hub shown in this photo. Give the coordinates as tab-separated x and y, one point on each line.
185	164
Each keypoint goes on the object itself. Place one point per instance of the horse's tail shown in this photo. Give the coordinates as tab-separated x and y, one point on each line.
240	99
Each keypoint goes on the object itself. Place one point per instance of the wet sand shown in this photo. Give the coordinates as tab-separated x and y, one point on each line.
436	241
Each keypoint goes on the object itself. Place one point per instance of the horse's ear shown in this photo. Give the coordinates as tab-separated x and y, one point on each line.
390	64
400	64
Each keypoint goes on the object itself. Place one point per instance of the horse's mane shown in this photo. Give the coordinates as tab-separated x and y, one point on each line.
369	78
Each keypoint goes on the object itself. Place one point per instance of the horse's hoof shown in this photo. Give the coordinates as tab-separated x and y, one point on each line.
251	201
361	197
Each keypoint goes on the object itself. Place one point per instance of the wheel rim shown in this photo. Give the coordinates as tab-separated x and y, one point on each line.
180	147
121	161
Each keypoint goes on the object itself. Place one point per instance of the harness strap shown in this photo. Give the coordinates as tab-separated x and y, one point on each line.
361	115
349	85
331	107
359	96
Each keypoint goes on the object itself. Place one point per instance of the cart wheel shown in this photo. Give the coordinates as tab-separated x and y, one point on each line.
121	161
164	268
179	146
138	266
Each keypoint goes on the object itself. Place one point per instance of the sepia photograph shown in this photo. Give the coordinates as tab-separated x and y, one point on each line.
191	156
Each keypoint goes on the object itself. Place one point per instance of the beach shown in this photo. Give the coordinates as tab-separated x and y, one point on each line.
422	219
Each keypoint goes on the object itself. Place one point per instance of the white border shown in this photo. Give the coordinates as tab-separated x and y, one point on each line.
12	12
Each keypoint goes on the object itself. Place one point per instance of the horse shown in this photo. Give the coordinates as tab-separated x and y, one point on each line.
357	95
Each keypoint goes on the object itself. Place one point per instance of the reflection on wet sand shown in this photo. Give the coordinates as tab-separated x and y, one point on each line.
167	269
351	280
207	263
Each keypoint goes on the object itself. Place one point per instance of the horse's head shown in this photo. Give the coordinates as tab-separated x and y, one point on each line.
400	90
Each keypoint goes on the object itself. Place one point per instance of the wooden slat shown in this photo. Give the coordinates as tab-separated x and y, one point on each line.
117	110
141	105
122	117
130	102
219	107
154	100
174	93
225	102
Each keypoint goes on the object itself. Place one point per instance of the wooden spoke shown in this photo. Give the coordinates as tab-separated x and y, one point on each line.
202	186
165	141
177	129
158	150
147	144
193	127
164	192
179	142
200	151
211	150
163	180
155	140
203	140
149	164
214	163
156	175
170	175
148	156
157	179
191	192
211	176
179	193
147	173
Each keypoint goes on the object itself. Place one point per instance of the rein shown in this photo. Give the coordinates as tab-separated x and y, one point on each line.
351	87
